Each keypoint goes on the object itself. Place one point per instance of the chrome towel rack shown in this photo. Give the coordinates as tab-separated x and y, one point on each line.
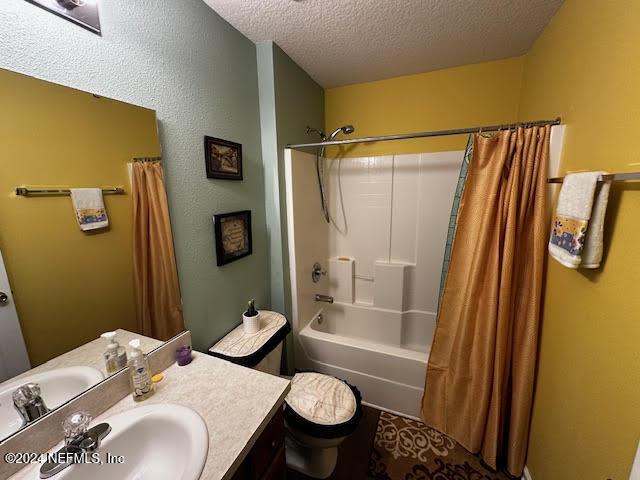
52	192
605	178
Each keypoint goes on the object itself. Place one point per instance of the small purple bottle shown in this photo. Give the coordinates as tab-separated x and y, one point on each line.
183	355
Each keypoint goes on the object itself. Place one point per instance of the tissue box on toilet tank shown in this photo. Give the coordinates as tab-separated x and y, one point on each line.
341	270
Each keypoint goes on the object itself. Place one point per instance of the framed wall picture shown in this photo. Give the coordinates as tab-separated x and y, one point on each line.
222	158
233	236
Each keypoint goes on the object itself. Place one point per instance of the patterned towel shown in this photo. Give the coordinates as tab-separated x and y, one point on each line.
89	207
578	224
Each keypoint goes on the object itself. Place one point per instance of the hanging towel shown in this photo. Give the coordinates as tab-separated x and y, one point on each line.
89	207
593	244
576	234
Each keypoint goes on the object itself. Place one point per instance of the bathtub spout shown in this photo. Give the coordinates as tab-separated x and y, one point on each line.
324	298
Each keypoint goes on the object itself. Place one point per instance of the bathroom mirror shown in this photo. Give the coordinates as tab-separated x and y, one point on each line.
61	286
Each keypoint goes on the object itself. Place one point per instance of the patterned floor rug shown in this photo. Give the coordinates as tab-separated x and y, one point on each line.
406	449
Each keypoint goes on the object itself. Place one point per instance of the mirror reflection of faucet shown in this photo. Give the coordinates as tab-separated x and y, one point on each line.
29	402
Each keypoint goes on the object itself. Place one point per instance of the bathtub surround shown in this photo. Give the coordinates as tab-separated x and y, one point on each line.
305	235
389	221
199	74
492	300
384	281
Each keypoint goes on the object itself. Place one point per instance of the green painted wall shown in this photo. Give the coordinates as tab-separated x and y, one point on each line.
289	101
200	75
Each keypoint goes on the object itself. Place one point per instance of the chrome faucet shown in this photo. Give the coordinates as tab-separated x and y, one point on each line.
29	402
79	440
324	298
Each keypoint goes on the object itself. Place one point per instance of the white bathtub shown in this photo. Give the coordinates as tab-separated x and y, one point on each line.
382	352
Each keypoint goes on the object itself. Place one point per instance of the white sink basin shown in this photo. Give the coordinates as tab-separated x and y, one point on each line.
57	386
156	442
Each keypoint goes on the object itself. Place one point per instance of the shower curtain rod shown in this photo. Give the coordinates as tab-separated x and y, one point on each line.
434	133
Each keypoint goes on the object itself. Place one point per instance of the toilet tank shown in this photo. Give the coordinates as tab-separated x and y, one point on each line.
262	350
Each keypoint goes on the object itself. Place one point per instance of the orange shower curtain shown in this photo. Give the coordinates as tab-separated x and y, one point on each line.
480	376
158	303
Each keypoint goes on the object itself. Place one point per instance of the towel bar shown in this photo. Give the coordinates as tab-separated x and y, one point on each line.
604	178
34	192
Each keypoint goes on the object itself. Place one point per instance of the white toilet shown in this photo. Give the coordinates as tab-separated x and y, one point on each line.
320	411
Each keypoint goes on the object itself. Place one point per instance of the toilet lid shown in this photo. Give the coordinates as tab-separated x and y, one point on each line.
249	349
322	405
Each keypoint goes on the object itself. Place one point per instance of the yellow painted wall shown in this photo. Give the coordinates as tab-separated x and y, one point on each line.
585	67
69	286
480	94
586	423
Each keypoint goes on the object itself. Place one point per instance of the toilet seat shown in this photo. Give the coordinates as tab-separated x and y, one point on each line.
322	406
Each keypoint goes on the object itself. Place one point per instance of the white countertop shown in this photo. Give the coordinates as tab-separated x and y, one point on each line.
235	402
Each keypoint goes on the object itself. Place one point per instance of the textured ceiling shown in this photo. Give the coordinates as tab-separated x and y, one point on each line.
339	42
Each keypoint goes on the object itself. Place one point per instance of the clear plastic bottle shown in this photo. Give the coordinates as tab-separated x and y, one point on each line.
139	374
115	357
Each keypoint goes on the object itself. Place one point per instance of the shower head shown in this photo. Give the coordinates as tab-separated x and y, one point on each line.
346	129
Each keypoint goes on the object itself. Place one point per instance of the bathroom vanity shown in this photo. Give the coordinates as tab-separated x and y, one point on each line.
266	460
241	408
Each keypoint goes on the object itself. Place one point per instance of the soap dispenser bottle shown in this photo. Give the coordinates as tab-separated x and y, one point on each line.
115	357
141	384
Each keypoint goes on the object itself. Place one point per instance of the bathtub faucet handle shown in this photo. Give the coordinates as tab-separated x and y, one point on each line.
317	272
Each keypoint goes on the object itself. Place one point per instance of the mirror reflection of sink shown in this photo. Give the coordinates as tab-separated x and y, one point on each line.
154	442
57	386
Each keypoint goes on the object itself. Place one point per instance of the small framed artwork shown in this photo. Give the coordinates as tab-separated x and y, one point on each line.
222	158
81	12
233	236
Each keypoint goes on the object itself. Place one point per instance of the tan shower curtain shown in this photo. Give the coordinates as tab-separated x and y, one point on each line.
480	377
158	303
